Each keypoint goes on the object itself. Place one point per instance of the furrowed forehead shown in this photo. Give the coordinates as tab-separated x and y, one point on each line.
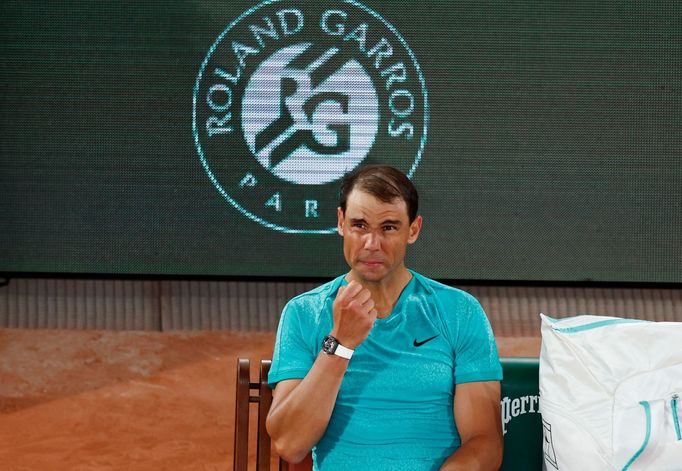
361	205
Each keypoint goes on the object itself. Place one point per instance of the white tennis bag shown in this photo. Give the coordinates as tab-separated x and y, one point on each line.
611	394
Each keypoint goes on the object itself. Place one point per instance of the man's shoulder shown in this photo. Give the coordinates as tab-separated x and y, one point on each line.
443	291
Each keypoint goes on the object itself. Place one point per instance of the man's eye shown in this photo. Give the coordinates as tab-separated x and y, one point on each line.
390	228
359	225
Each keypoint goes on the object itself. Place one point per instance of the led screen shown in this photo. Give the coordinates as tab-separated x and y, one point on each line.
209	137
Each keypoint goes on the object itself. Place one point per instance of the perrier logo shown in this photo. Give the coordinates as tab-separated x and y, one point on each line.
290	98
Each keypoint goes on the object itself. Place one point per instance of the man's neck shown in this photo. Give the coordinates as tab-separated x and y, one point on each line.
386	292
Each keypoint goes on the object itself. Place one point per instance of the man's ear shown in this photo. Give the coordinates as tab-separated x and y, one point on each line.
339	223
415	229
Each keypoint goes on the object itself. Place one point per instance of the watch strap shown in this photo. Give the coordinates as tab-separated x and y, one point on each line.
331	346
343	352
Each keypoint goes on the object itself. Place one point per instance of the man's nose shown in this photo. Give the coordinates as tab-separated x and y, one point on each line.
372	241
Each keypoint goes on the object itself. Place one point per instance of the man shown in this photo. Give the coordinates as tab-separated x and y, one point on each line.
383	368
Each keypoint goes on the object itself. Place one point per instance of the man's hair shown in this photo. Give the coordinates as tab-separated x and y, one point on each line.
384	183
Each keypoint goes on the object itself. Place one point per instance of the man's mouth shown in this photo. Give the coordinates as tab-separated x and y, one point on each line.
371	262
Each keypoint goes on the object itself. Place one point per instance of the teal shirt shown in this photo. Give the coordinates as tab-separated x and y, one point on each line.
394	410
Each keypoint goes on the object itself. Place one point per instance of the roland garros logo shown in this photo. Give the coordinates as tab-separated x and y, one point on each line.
290	98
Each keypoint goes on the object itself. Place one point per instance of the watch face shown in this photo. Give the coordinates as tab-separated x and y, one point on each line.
329	345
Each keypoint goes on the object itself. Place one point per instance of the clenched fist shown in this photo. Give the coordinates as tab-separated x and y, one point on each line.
354	315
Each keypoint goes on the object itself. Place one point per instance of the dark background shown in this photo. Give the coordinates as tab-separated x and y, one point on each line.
553	152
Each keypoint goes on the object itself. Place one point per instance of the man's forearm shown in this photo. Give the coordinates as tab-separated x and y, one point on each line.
482	453
298	422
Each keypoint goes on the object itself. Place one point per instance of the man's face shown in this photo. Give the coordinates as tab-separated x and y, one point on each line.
375	235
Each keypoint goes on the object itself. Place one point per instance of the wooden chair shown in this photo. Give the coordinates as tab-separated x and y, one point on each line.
260	394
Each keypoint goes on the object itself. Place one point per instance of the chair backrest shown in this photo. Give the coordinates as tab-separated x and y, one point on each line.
520	417
258	393
262	396
521	422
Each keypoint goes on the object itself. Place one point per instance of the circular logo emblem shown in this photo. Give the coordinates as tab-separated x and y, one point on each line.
289	99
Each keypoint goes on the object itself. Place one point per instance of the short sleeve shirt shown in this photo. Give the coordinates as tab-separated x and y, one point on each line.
394	409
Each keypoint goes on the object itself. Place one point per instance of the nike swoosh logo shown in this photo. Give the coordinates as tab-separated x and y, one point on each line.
419	344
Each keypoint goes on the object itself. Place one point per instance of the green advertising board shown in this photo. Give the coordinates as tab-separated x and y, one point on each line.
522	427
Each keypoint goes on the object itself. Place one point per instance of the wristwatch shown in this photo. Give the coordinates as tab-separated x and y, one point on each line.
331	346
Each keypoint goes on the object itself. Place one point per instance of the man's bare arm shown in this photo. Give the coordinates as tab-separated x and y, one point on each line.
301	409
477	415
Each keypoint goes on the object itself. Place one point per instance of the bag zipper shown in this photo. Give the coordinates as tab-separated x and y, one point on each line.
596	325
676	418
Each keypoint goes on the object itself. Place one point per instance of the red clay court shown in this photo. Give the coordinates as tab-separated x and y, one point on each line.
111	400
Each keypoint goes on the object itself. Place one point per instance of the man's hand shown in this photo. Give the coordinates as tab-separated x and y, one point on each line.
354	314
